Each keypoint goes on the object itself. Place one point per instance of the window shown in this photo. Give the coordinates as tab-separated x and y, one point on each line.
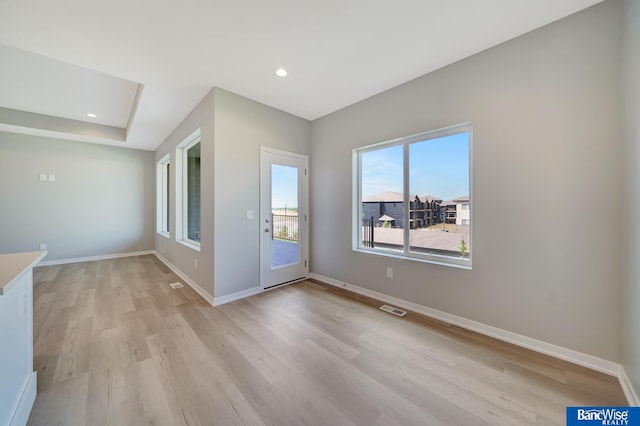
163	176
414	197
188	191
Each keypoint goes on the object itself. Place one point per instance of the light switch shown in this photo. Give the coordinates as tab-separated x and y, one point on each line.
251	214
43	178
52	178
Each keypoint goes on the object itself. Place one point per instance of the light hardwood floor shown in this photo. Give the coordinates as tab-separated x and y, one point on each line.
115	345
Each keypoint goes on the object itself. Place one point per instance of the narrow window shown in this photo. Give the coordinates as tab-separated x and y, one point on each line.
188	203
163	194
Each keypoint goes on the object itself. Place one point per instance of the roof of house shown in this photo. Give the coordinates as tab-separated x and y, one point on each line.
386	218
396	197
447	203
463	199
386	197
430	199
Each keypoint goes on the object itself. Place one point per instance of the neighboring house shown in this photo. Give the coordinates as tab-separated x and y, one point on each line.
432	210
423	211
448	212
388	203
463	210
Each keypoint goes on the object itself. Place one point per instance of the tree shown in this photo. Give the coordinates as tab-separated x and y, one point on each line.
463	249
284	232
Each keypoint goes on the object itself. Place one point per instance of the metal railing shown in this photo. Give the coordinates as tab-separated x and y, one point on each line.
285	227
368	225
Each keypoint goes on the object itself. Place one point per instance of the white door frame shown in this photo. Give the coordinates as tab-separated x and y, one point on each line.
270	276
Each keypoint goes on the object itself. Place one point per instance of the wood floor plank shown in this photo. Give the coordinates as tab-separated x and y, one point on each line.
115	345
75	351
62	403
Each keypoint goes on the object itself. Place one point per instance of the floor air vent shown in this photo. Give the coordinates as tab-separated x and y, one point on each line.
392	310
176	285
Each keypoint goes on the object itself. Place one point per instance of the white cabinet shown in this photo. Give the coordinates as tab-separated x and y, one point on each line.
17	378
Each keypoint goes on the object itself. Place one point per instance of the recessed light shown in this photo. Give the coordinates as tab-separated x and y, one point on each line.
281	72
91	115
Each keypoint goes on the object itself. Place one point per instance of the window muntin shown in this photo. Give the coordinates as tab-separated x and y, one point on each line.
424	181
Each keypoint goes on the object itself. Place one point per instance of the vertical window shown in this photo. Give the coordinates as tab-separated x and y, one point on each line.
414	197
163	176
188	222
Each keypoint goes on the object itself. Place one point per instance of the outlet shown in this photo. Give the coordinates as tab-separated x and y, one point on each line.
389	272
43	247
195	261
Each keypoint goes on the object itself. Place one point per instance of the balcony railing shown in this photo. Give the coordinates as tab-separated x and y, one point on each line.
285	227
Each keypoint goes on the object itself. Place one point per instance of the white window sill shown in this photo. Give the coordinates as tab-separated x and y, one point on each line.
164	234
453	263
191	244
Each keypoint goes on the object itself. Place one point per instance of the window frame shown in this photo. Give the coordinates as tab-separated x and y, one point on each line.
163	197
357	206
182	191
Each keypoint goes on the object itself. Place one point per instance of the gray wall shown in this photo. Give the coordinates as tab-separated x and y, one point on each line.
101	202
242	126
233	129
631	286
183	257
546	113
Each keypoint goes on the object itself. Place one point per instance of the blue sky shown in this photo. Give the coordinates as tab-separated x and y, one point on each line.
284	186
438	167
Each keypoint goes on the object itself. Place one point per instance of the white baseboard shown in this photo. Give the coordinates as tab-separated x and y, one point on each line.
629	390
23	410
217	301
579	358
206	296
94	258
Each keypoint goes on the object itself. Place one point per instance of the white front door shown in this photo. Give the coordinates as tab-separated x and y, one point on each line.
284	206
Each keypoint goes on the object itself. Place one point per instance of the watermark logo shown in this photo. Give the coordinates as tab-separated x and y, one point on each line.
603	416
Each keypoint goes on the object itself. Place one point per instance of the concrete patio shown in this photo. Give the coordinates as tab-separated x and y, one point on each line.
284	253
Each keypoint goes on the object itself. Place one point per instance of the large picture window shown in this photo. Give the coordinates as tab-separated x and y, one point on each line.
188	219
414	197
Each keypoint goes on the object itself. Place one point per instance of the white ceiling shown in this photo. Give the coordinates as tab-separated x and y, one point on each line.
35	83
337	52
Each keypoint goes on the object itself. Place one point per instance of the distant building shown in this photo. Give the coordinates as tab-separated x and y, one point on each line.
463	211
423	211
457	211
448	212
389	204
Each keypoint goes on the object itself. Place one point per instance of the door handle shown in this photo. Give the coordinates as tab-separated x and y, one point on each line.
266	229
